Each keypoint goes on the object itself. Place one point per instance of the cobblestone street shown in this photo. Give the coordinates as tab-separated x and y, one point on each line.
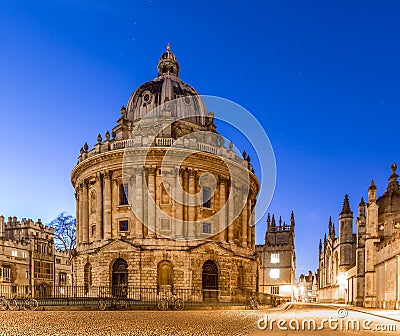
127	323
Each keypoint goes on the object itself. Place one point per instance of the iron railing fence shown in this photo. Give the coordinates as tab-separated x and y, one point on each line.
136	296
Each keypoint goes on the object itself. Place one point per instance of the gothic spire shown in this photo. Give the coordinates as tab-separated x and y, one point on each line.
268	220
346	206
320	245
372	186
292	223
273	220
280	220
362	203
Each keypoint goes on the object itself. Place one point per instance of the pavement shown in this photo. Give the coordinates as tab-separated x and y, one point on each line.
200	322
393	315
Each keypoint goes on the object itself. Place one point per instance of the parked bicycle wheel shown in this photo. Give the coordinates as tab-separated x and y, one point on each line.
3	303
254	304
178	304
30	304
121	304
13	304
102	304
162	304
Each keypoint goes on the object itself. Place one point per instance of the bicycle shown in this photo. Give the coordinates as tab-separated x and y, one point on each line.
4	303
112	302
172	301
252	303
29	303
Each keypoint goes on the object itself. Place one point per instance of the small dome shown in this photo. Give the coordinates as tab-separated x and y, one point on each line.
166	88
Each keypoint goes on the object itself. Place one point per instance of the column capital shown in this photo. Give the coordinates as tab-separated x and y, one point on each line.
107	174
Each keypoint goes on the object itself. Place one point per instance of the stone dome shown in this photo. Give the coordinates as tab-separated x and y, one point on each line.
166	88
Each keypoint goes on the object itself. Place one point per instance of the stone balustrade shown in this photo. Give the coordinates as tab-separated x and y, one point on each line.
114	144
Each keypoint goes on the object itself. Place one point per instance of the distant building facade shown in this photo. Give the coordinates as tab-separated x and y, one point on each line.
363	268
277	273
28	259
307	288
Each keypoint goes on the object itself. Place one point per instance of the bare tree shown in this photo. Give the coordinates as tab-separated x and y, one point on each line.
64	232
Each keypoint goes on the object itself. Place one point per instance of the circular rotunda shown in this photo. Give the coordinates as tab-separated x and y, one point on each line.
163	203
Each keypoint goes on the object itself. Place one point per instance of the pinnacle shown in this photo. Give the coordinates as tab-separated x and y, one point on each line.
346	206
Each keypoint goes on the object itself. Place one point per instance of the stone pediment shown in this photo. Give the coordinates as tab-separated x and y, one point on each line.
212	247
118	246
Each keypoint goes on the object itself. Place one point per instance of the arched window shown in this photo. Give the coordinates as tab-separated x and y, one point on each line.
120	278
240	282
164	190
87	277
165	274
92	202
210	280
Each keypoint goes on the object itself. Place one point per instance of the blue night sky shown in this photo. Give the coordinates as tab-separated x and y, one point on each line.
322	78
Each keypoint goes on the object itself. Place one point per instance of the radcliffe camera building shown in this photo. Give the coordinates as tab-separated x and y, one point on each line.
143	222
363	268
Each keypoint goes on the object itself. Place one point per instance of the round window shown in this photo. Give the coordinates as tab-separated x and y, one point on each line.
147	97
187	100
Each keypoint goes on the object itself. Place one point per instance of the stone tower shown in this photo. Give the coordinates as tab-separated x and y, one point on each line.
346	234
278	259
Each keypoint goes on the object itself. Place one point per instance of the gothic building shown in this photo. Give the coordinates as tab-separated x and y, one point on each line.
277	255
162	202
29	263
363	268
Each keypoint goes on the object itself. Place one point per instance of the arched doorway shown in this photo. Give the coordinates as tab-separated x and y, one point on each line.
120	278
87	277
165	275
210	280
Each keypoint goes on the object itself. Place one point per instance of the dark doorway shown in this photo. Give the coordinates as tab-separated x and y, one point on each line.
120	278
210	280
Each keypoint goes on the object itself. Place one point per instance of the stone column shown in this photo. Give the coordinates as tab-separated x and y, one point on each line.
231	205
131	201
85	214
222	212
245	223
178	204
139	203
185	183
99	206
77	207
115	190
192	208
157	201
107	204
249	222
150	204
253	226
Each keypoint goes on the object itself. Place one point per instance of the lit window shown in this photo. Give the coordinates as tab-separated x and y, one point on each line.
274	258
274	273
26	275
24	255
14	253
275	290
123	225
206	198
207	228
124	194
